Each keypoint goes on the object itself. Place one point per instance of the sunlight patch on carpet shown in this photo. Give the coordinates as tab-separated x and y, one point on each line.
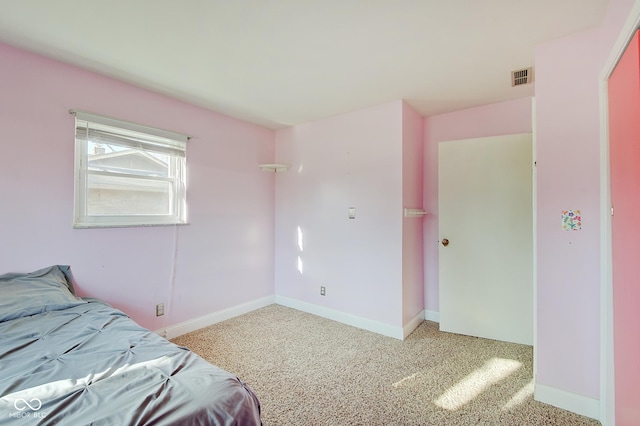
493	371
405	380
520	397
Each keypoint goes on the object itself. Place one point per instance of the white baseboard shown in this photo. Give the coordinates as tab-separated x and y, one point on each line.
579	404
349	319
432	316
213	318
399	333
412	325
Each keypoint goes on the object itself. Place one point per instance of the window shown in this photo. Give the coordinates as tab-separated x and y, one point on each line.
127	174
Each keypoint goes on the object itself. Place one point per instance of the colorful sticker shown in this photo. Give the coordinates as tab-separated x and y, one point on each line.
571	220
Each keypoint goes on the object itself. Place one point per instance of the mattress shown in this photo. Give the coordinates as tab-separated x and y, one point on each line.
66	360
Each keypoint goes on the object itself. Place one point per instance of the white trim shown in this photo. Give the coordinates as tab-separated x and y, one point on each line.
534	226
607	384
607	372
579	404
349	319
412	325
432	315
213	318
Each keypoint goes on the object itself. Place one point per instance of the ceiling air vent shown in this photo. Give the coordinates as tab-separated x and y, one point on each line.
520	77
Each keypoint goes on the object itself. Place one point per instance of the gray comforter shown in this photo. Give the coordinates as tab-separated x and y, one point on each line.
88	363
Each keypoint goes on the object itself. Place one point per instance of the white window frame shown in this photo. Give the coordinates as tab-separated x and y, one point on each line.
171	143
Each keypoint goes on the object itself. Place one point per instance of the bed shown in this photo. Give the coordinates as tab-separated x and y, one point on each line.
76	361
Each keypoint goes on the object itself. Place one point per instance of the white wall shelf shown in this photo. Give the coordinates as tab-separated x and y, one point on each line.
415	212
274	167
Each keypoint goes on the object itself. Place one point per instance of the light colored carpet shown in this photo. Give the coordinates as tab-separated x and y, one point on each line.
308	370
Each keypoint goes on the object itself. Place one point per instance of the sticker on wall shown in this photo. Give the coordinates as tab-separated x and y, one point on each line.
571	220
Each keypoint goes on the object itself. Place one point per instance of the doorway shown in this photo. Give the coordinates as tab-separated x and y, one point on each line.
485	196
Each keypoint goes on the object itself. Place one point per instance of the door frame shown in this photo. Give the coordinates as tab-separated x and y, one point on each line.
607	385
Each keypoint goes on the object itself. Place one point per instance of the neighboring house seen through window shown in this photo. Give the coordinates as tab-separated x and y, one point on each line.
127	174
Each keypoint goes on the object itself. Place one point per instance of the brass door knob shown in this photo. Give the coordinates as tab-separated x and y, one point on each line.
445	242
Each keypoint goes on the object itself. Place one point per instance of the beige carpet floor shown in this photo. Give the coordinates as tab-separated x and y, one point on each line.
308	370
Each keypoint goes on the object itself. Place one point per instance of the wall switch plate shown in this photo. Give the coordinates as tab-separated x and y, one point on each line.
322	291
352	212
160	309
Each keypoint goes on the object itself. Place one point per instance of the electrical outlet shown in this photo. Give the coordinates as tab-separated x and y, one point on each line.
160	309
322	291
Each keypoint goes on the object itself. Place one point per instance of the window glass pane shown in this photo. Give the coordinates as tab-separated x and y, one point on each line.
122	196
120	159
127	174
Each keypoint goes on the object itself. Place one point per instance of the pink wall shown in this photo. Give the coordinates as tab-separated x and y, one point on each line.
350	160
489	120
228	242
412	229
568	147
568	154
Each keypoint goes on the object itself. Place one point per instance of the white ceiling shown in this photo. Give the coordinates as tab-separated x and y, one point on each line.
285	62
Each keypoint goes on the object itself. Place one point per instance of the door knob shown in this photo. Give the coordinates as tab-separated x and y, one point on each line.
445	242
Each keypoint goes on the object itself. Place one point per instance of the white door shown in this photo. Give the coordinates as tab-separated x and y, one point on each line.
485	213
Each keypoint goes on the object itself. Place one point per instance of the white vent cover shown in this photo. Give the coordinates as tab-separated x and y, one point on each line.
520	77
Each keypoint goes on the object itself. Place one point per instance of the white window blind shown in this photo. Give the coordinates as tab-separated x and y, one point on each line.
127	174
